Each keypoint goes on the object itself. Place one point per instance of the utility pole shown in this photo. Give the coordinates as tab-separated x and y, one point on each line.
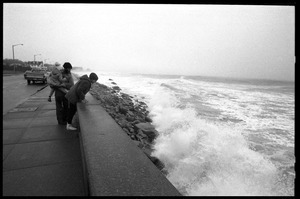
13	51
35	55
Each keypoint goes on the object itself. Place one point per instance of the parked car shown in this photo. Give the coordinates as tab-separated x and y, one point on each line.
36	74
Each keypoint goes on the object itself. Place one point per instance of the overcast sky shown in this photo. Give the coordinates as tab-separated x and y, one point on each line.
211	40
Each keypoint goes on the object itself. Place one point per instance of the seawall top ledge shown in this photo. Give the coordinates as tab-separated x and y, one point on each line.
115	166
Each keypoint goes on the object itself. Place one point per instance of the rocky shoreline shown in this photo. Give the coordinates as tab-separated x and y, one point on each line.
131	115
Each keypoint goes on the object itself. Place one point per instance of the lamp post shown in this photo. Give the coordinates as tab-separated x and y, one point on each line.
45	63
36	55
13	51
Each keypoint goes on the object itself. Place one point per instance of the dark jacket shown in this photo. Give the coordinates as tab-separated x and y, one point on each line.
79	90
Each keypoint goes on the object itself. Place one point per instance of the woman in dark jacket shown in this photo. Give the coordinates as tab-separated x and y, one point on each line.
77	94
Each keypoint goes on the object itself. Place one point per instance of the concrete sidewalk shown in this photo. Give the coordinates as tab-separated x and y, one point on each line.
40	157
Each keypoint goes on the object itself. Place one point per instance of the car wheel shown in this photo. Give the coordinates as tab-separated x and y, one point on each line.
28	81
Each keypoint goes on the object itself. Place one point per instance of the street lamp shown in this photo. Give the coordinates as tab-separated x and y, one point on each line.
45	63
13	46
36	55
13	50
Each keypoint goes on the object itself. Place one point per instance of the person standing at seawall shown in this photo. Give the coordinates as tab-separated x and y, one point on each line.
60	100
77	94
55	79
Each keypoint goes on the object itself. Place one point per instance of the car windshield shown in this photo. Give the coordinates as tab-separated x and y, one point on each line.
37	70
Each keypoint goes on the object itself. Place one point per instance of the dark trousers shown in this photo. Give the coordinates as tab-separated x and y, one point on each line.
61	108
71	112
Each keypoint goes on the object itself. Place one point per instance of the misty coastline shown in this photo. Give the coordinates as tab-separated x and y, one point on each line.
228	79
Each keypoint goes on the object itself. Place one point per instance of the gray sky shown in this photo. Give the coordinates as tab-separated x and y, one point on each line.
214	40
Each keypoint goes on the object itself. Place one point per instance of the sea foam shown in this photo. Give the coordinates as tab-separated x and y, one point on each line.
205	158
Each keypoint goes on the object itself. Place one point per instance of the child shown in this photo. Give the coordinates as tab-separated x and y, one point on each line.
55	79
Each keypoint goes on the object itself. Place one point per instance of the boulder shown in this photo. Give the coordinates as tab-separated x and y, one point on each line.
116	88
142	103
138	143
148	130
126	131
126	102
147	151
136	122
145	126
117	109
122	122
133	137
123	110
148	119
141	134
131	130
130	118
130	113
125	95
159	164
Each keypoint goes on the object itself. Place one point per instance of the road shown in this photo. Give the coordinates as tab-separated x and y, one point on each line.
16	90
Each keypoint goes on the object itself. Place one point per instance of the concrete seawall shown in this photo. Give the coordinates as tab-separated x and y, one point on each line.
113	164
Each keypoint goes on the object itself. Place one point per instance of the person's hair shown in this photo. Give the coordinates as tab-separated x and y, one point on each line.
93	76
67	65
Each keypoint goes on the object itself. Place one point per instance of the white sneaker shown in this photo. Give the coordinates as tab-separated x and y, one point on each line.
70	127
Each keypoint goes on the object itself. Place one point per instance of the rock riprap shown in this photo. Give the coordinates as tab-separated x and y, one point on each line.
130	114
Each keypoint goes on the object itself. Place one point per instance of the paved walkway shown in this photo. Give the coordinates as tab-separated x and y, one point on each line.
40	157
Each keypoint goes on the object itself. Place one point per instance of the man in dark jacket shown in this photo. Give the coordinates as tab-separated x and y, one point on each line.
60	101
77	94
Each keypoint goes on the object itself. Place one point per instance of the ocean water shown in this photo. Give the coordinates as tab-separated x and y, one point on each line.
220	136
